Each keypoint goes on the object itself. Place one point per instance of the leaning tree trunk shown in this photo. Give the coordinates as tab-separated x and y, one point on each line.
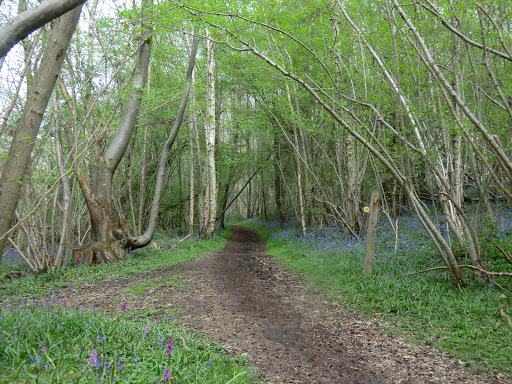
144	239
109	237
15	168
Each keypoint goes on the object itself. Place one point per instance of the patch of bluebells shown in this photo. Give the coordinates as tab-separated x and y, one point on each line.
11	259
107	358
395	257
411	252
503	222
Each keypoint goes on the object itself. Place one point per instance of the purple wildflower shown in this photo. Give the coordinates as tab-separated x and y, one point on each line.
252	373
120	366
93	358
70	286
32	359
209	363
101	337
167	375
123	307
43	348
161	341
146	330
170	347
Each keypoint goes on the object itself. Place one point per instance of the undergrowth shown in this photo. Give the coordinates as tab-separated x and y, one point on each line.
144	260
54	344
426	308
54	341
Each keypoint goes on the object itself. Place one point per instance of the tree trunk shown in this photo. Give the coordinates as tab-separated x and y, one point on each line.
192	194
277	183
224	203
144	239
15	168
109	237
211	185
298	162
67	198
142	187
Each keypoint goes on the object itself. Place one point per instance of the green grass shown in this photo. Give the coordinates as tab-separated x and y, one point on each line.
144	286
145	260
53	343
464	321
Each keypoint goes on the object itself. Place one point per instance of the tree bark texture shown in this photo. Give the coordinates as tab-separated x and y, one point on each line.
144	239
109	237
15	168
211	185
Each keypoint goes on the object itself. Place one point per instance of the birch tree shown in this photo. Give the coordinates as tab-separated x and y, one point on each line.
210	203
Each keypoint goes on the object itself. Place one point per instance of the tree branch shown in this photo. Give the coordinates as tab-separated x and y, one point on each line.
27	22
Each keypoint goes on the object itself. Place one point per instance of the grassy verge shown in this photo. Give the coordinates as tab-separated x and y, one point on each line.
145	260
465	321
53	343
56	345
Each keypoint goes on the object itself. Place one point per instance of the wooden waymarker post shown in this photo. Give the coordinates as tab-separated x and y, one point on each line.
371	234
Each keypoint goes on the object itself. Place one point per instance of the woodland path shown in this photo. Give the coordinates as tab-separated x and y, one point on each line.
244	299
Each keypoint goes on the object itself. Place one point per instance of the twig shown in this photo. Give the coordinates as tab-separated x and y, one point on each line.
464	266
426	270
487	272
170	246
505	253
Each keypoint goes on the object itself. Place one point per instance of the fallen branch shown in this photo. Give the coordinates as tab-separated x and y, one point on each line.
170	246
426	270
464	266
13	274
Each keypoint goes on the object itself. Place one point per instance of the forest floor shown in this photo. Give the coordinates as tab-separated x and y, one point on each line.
244	299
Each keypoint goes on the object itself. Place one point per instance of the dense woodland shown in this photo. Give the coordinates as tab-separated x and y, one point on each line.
121	118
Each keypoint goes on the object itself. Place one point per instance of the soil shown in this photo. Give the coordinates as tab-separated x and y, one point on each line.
244	299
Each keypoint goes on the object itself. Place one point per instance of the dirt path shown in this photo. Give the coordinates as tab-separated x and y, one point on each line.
245	300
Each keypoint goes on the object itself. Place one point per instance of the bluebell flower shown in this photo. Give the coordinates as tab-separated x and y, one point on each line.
93	358
170	347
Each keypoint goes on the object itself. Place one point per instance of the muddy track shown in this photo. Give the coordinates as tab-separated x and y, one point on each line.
245	300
